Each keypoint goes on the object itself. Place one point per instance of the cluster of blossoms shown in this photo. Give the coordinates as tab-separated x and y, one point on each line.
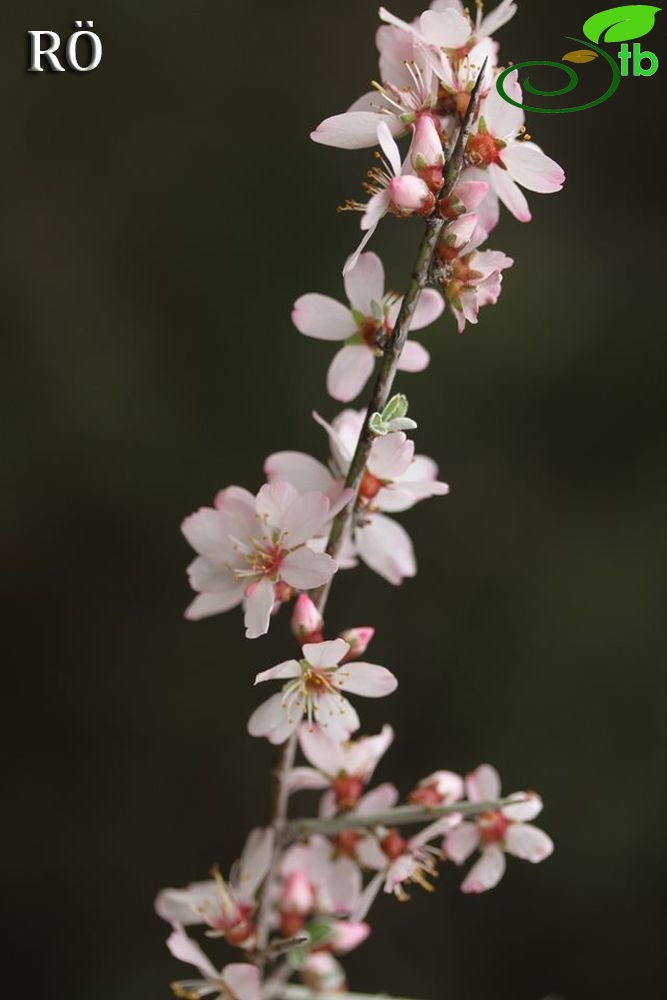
299	897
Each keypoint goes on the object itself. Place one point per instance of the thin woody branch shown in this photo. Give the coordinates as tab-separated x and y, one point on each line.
400	816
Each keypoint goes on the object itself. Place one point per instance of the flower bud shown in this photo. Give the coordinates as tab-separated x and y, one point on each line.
347	936
410	195
358	640
426	153
297	894
437	789
307	622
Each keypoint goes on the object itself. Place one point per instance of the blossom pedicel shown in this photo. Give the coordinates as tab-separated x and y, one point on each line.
299	898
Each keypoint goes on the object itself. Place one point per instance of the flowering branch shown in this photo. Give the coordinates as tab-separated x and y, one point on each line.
393	348
298	898
299	829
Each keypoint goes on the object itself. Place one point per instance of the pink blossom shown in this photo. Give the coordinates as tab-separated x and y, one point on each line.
225	906
438	789
342	768
498	154
334	881
238	981
413	861
495	833
358	640
363	326
471	278
314	688
256	550
395	480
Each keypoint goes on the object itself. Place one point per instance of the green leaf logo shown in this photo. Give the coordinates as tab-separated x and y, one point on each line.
621	24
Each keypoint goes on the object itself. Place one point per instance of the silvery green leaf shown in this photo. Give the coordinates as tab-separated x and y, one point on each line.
401	424
377	425
396	408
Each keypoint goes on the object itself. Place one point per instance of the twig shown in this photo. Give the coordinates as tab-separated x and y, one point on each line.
400	816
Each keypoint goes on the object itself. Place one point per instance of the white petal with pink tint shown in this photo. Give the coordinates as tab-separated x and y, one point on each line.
205	605
258	605
301	470
509	193
303	779
322	317
242	980
354	129
528	842
378	800
486	873
390	456
503	120
327	756
349	371
430	307
447	29
281	672
523	811
532	168
414	358
186	950
364	284
325	654
337	717
385	546
306	570
460	842
483	784
367	679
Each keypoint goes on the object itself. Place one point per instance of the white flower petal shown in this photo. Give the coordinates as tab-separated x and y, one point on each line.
349	371
533	169
509	193
447	29
254	863
242	980
390	456
306	570
524	811
378	800
483	784
205	605
322	317
461	842
389	147
336	716
503	120
282	671
258	605
353	129
186	950
208	531
486	873
363	756
302	471
367	679
327	756
430	307
303	779
528	842
364	284
385	546
414	358
325	654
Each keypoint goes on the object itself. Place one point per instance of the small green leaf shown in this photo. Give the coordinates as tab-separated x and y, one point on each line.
320	932
580	56
396	408
621	24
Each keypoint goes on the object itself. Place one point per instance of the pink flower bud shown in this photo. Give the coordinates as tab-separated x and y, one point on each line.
307	622
297	894
358	640
426	150
410	195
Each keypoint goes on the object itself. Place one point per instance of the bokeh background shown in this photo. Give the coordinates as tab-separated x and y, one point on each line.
159	217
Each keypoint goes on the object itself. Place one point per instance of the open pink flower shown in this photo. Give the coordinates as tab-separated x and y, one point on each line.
343	769
484	24
314	689
496	833
226	907
363	326
255	550
238	981
497	154
395	480
472	278
413	861
437	789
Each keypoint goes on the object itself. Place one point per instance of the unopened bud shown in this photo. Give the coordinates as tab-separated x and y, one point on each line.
307	622
437	789
297	895
411	195
358	639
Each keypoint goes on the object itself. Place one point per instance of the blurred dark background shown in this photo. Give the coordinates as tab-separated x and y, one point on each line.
160	216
